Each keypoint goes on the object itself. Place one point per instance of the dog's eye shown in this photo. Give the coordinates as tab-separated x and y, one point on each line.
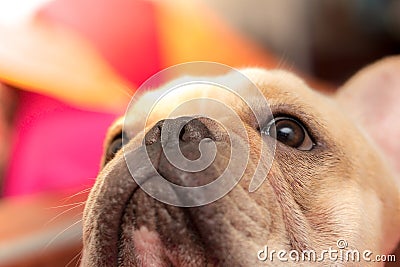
113	148
289	132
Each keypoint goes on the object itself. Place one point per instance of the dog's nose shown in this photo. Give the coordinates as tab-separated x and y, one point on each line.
187	151
194	131
189	129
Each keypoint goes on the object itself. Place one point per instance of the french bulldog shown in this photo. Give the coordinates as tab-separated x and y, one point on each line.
334	176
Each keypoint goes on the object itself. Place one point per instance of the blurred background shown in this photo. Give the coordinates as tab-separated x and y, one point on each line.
68	68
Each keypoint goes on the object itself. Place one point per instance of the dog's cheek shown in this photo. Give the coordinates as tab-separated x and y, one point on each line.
103	212
312	180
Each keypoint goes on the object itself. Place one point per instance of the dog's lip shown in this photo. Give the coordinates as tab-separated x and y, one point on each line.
133	227
138	229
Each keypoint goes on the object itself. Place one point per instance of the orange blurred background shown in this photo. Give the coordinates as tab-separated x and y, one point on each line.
69	67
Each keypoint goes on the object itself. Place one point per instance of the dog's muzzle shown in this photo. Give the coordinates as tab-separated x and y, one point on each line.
188	151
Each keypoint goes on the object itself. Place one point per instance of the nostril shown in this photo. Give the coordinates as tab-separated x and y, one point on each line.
154	135
182	133
194	131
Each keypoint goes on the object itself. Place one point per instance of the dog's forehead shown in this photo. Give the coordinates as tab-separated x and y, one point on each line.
278	87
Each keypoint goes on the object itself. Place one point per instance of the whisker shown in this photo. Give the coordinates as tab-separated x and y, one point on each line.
74	258
66	205
60	233
76	194
126	91
282	60
290	65
65	211
80	259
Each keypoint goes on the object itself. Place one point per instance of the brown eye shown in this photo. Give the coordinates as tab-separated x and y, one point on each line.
289	132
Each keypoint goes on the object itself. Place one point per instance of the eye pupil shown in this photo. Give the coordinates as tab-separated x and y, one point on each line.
289	133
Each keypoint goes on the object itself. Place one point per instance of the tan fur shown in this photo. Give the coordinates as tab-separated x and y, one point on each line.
341	189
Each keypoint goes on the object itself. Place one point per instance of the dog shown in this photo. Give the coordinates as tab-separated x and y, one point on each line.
334	176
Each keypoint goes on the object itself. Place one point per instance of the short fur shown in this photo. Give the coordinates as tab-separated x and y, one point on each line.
344	188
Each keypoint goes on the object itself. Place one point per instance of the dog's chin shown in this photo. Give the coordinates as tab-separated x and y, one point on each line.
156	234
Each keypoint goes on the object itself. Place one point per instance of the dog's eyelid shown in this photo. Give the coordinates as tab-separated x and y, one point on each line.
120	134
294	111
